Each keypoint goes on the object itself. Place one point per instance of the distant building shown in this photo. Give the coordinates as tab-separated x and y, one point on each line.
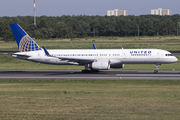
160	11
116	12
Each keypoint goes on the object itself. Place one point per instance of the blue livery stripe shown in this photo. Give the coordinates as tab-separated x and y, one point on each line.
94	46
46	52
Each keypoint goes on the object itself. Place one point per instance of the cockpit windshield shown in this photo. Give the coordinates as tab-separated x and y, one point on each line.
169	54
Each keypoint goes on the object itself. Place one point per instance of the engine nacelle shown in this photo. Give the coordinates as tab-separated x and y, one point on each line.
99	66
117	65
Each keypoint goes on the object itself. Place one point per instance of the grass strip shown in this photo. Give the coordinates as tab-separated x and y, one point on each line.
89	99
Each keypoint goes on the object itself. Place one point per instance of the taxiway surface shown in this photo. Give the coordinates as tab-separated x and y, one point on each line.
102	75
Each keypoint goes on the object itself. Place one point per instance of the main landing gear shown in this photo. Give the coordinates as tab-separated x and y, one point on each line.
88	71
156	69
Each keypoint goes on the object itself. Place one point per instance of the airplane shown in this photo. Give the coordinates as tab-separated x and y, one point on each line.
93	59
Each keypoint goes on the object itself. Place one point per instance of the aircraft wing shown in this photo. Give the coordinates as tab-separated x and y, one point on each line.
78	60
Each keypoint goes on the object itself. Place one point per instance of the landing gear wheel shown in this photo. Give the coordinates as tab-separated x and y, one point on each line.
94	71
155	71
90	71
85	71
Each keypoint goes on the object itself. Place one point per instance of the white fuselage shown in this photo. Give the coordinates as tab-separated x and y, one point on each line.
115	56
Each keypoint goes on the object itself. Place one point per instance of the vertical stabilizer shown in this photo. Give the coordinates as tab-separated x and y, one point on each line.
24	41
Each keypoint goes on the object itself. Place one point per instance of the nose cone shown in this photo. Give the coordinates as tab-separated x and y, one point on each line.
175	59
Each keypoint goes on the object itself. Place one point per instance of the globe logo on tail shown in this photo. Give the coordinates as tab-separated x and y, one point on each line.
28	44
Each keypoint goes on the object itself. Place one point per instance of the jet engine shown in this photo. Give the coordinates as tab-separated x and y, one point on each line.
99	65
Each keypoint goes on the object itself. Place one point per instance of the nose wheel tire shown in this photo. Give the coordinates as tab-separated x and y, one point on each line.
155	71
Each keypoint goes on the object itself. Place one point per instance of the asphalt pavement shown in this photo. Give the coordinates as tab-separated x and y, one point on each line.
101	75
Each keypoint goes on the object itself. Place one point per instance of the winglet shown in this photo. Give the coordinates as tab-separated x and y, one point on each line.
46	52
94	46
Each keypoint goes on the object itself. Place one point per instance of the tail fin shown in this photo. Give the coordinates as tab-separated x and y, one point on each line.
24	41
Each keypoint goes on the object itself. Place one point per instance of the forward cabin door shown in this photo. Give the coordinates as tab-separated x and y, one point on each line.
158	55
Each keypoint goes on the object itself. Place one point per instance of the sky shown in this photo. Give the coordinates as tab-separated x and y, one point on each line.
84	7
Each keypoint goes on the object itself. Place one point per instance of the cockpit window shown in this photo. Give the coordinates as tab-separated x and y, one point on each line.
169	54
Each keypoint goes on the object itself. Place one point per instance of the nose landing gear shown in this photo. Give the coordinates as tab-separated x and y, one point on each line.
156	70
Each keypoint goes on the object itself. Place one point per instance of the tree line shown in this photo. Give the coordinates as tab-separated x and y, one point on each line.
85	26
